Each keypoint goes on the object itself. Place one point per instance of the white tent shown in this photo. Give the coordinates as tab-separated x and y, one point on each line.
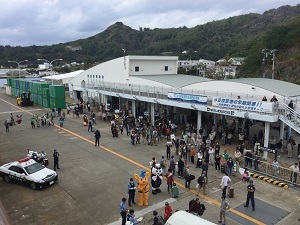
63	78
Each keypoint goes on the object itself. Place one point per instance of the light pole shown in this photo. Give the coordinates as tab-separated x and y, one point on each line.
50	65
18	65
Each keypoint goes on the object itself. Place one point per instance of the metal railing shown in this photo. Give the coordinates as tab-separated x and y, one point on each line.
290	116
279	173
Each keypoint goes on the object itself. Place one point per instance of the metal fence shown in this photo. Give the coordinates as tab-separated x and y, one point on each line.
272	171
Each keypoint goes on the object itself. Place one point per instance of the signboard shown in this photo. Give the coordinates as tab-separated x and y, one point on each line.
220	111
197	99
249	105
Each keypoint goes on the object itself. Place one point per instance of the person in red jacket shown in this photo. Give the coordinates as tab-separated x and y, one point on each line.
168	211
170	180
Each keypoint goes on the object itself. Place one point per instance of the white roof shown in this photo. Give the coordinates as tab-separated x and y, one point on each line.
63	76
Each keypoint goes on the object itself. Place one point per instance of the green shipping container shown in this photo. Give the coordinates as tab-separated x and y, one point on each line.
46	93
39	99
58	103
22	84
13	83
46	102
9	81
57	91
41	86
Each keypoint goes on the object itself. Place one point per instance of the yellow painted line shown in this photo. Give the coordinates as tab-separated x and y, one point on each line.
214	201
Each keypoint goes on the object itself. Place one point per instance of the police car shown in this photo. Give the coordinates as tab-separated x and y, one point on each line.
29	172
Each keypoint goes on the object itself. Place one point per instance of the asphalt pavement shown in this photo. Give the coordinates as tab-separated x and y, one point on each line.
93	180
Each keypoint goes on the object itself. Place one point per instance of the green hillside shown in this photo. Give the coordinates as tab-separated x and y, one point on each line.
240	36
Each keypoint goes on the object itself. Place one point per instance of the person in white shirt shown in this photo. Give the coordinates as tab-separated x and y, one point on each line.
294	172
211	153
224	183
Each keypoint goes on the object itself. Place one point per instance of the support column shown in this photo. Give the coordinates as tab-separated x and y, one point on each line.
266	140
289	133
168	110
133	108
152	114
267	134
104	98
281	131
199	121
215	119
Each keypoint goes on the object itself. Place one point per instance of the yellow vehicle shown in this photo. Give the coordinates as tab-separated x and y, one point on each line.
24	99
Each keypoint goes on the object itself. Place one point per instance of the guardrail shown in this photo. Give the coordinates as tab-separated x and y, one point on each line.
272	171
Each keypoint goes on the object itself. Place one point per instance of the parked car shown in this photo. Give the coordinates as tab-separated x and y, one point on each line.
29	172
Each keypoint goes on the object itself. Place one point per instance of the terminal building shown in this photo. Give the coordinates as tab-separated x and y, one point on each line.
150	85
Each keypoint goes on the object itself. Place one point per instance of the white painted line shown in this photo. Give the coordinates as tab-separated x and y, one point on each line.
31	110
146	210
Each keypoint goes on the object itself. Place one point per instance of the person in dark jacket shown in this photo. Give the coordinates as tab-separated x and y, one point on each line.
180	167
97	137
55	158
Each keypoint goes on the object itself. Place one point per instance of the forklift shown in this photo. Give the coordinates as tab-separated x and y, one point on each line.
24	99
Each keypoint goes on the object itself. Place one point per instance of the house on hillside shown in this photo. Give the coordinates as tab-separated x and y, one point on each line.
236	61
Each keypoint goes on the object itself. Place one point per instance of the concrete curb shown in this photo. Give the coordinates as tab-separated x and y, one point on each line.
269	180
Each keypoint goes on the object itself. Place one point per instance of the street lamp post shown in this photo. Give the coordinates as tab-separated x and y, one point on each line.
50	65
18	65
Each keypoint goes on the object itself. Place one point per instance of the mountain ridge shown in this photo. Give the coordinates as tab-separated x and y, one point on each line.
244	35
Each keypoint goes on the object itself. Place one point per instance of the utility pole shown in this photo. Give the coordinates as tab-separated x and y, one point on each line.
267	53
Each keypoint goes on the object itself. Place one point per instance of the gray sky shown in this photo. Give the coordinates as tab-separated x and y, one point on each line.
47	22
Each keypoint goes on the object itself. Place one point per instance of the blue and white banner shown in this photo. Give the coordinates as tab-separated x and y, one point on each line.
197	99
249	105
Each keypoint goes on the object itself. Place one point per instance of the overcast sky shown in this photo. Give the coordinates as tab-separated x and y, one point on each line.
47	22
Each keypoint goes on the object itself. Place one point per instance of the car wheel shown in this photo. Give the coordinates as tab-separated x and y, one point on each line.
33	186
6	178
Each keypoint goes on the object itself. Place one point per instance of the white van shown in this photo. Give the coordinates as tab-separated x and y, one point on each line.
185	218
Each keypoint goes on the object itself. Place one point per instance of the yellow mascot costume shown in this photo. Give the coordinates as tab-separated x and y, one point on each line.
143	187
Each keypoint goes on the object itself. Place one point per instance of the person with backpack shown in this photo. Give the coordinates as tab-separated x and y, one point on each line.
201	184
157	220
195	207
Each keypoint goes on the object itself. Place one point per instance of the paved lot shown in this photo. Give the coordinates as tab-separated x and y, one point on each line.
93	180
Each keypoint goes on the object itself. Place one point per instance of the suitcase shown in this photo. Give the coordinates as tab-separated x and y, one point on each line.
84	123
175	191
222	169
231	192
93	129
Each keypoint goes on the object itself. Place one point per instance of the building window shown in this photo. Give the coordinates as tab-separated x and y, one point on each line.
137	69
102	77
87	75
93	76
96	76
166	68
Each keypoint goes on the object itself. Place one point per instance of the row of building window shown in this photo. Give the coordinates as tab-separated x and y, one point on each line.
95	76
137	69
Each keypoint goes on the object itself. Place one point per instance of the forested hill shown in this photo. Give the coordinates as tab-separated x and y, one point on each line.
240	36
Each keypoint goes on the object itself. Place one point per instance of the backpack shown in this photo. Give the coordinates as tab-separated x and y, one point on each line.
202	209
200	180
161	220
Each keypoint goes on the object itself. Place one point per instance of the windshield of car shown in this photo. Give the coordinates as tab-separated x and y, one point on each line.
34	168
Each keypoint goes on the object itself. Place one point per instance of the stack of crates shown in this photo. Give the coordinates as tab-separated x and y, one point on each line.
57	97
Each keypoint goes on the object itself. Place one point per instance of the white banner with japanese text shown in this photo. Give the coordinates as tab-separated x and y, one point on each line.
243	104
197	99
